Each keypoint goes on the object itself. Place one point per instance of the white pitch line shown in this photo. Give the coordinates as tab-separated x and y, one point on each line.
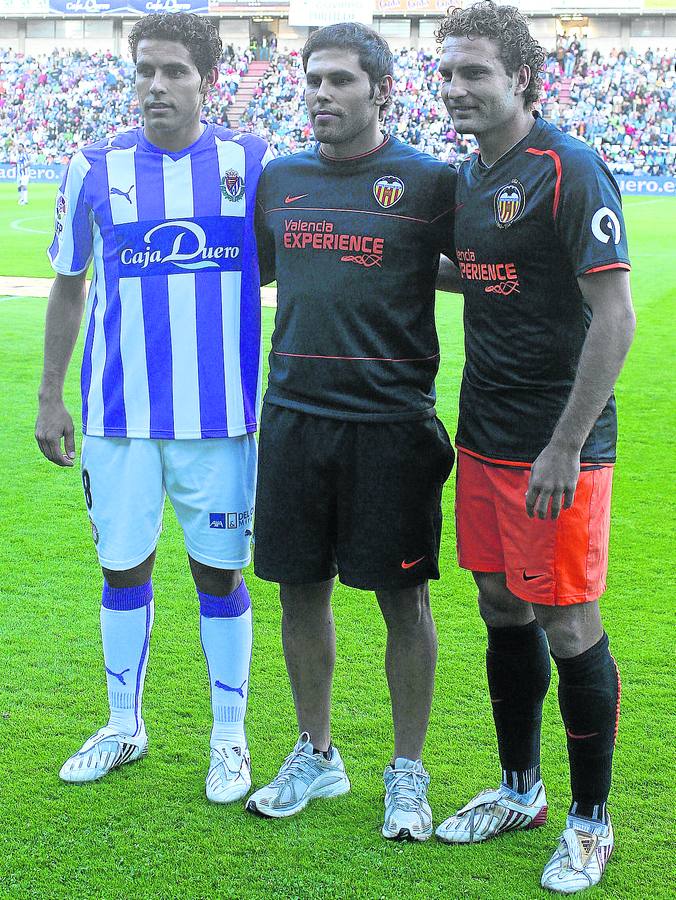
17	225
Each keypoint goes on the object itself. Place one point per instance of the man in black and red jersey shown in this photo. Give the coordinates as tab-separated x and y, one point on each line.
541	246
352	457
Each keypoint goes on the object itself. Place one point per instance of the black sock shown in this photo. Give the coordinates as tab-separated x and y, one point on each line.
589	698
518	669
325	753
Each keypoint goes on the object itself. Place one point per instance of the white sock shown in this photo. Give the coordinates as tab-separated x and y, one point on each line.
126	623
225	630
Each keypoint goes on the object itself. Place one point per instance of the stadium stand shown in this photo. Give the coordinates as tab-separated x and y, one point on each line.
55	104
622	104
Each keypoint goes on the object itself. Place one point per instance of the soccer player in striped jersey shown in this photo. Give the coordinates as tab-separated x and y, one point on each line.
22	174
541	246
171	378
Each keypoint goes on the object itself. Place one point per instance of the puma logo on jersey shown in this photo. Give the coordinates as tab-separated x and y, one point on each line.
125	194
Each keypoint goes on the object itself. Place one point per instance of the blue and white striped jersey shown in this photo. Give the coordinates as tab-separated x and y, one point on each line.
22	166
172	323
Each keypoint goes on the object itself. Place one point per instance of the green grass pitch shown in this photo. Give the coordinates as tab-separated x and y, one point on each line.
147	830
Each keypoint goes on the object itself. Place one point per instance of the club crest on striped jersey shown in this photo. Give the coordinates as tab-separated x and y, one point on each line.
509	203
61	206
232	185
388	190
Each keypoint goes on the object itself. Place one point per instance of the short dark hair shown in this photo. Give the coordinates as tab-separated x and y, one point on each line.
196	33
375	56
507	27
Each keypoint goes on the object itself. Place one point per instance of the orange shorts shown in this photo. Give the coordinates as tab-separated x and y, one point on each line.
558	562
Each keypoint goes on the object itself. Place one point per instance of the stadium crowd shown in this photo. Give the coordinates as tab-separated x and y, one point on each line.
622	104
55	104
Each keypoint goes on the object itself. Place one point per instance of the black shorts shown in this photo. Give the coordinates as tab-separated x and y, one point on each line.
357	499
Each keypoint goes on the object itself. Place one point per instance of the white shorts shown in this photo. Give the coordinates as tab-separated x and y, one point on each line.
23	180
211	484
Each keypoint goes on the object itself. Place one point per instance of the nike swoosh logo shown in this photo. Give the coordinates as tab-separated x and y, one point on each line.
531	577
288	199
409	565
580	737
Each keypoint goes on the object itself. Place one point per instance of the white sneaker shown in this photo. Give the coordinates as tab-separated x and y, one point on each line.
408	816
104	751
304	776
494	812
229	776
580	859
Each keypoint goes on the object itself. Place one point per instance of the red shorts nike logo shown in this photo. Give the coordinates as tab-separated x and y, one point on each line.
580	737
531	577
288	199
409	565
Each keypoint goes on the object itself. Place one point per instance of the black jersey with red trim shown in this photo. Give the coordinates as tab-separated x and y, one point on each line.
527	227
356	246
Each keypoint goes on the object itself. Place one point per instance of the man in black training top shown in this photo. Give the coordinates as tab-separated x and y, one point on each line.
352	456
541	246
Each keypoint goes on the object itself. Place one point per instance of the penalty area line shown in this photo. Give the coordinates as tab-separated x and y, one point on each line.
18	225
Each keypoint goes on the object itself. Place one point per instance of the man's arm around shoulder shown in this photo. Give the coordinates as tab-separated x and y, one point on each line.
64	315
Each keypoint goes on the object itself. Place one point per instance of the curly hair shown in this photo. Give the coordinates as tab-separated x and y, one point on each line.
196	33
509	29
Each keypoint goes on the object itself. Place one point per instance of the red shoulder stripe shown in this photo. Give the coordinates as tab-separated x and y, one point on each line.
557	166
